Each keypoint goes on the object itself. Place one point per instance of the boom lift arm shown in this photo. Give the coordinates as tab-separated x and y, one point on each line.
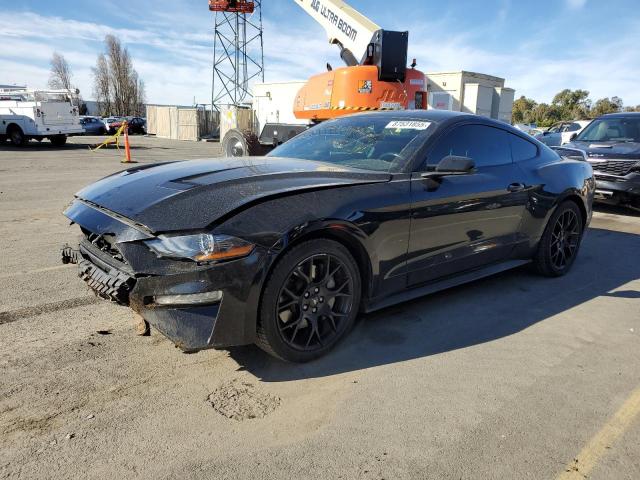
345	27
361	41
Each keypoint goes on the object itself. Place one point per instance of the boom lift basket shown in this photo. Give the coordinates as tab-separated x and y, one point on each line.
233	6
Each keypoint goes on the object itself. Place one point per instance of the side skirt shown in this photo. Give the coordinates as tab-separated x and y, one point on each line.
438	285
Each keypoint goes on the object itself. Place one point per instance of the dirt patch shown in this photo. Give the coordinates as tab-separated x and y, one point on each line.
242	401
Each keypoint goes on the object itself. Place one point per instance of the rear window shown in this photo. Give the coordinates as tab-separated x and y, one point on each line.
522	149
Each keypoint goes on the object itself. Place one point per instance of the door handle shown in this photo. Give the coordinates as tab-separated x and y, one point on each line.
516	187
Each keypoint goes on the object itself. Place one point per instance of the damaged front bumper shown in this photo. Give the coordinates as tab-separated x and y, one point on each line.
618	189
195	306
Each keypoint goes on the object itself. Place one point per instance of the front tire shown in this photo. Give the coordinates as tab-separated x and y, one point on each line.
310	301
58	140
560	241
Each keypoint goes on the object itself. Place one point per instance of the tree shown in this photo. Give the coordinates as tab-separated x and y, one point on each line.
545	115
567	105
572	104
102	86
60	76
117	86
606	105
522	109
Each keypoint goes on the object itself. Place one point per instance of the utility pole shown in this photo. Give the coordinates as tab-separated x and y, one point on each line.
238	53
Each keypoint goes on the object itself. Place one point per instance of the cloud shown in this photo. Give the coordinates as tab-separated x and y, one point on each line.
527	65
576	4
171	48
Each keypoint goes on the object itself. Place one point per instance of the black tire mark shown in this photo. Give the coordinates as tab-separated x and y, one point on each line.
13	315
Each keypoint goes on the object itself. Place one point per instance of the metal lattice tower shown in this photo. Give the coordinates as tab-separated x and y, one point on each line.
238	56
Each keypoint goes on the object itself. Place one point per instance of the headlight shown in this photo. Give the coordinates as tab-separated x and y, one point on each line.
202	247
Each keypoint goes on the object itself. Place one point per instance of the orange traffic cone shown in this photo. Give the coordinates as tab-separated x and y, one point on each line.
127	148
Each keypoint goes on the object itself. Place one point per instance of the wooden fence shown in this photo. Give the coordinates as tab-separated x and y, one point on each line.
181	123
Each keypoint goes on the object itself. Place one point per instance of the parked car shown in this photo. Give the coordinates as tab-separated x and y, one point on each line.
561	132
611	144
112	124
534	132
352	215
137	125
93	126
526	127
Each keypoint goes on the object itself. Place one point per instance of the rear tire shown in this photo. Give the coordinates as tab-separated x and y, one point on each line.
58	140
560	242
237	143
16	135
310	301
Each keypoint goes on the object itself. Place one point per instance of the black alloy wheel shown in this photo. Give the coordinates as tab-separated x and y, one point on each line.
560	242
565	238
316	296
313	301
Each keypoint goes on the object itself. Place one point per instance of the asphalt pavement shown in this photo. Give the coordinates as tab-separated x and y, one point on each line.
513	376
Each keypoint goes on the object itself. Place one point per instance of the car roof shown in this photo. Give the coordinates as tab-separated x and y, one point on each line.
621	115
435	115
444	117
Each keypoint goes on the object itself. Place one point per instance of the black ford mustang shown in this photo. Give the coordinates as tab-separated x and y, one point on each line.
352	215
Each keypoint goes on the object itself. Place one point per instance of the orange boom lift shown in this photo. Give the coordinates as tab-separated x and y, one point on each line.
376	76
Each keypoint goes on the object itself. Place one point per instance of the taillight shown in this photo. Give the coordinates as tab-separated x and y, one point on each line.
37	112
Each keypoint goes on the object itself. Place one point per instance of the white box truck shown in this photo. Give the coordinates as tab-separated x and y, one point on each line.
38	114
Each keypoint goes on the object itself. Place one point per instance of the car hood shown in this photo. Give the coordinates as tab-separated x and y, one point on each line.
630	150
195	194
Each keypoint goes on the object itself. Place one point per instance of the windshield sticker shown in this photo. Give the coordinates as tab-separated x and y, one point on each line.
408	125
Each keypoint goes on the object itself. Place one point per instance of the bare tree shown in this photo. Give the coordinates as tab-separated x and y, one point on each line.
102	86
60	73
141	98
117	87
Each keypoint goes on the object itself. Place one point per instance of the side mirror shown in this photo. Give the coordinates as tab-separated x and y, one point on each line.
455	164
573	137
451	165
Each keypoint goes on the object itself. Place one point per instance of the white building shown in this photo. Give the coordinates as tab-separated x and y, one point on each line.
470	92
12	88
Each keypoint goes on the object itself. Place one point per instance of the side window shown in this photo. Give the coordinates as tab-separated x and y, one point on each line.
486	146
521	149
574	127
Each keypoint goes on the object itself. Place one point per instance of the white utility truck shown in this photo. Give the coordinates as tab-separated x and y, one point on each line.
38	114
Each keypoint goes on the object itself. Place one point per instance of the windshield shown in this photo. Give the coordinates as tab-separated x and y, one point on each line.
615	129
381	143
52	97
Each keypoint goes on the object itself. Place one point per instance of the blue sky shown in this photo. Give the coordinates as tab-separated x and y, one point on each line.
540	47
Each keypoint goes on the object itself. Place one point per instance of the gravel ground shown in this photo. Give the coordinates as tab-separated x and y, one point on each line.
509	377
